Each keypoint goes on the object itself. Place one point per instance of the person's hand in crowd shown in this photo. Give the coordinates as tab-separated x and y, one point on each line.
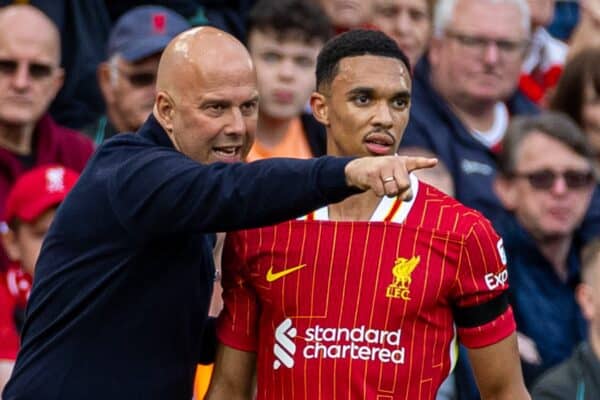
386	175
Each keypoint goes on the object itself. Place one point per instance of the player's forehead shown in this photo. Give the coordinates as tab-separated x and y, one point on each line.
377	73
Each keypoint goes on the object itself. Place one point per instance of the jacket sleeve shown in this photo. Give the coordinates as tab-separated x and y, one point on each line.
162	192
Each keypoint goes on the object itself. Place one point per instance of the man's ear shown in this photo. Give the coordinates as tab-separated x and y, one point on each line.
320	111
506	192
11	245
585	298
163	110
435	45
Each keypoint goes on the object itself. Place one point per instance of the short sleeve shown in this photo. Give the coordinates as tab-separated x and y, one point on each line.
481	309
237	325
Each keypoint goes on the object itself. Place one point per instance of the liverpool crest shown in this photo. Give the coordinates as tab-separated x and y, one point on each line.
402	270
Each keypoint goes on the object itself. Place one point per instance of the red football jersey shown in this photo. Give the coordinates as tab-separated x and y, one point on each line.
364	310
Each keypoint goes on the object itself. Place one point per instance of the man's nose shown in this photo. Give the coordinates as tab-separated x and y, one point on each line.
236	123
383	115
21	79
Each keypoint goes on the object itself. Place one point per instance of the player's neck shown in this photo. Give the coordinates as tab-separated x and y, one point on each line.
359	207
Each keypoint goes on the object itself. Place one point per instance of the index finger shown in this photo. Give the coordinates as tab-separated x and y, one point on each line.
414	163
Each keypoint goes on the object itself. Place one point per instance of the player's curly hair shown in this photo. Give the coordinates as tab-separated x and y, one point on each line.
297	19
354	43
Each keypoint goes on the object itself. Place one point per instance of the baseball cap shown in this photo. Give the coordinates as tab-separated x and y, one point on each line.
37	190
143	31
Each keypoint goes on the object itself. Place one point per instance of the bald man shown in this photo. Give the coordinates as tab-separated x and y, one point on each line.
119	305
30	77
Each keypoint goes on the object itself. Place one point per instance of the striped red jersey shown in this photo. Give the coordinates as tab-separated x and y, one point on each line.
365	310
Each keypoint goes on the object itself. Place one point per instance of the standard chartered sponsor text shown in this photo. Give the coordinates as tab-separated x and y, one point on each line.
356	343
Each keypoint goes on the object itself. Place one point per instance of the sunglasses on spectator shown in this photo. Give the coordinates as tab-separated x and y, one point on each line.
36	70
545	179
139	79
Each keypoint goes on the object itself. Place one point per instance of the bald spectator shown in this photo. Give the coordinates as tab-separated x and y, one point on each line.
30	77
118	308
127	78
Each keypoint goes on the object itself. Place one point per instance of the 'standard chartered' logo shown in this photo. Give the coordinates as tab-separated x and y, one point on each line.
403	268
318	342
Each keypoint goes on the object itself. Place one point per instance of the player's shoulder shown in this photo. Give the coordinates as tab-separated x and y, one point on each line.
440	211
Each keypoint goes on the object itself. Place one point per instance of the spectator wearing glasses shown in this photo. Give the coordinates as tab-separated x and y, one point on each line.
30	77
127	78
545	180
465	90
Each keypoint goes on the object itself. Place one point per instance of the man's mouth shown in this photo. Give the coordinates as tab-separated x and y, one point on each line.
228	153
379	143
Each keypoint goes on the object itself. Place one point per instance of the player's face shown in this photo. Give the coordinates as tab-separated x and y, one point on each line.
408	22
478	59
285	72
556	211
366	107
214	118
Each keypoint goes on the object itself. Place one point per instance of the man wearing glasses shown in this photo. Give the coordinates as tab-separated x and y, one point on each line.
545	180
127	78
465	90
30	77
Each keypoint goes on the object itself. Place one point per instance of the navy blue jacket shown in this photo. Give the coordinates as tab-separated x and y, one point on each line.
544	306
124	279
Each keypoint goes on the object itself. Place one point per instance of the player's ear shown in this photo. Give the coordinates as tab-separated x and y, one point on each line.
506	191
320	111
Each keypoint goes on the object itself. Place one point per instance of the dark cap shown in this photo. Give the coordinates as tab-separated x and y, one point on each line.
144	31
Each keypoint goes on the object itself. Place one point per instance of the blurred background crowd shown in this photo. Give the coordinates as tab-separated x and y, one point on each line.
506	93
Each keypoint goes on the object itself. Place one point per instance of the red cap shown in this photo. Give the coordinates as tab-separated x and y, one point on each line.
37	190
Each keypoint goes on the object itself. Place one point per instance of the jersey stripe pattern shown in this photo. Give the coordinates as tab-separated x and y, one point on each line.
363	310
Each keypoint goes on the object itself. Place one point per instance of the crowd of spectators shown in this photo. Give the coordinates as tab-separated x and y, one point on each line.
506	93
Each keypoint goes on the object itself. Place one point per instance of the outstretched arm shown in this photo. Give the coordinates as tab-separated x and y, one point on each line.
497	369
233	375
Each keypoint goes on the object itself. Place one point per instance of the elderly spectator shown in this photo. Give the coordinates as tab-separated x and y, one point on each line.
284	39
577	378
127	78
546	55
545	180
30	77
408	22
465	91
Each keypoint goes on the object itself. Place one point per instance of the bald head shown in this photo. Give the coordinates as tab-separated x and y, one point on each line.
197	55
207	100
29	25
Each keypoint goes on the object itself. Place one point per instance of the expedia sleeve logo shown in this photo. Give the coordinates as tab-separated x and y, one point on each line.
402	270
494	281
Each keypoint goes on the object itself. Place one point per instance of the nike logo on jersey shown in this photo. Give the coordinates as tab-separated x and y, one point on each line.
273	276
